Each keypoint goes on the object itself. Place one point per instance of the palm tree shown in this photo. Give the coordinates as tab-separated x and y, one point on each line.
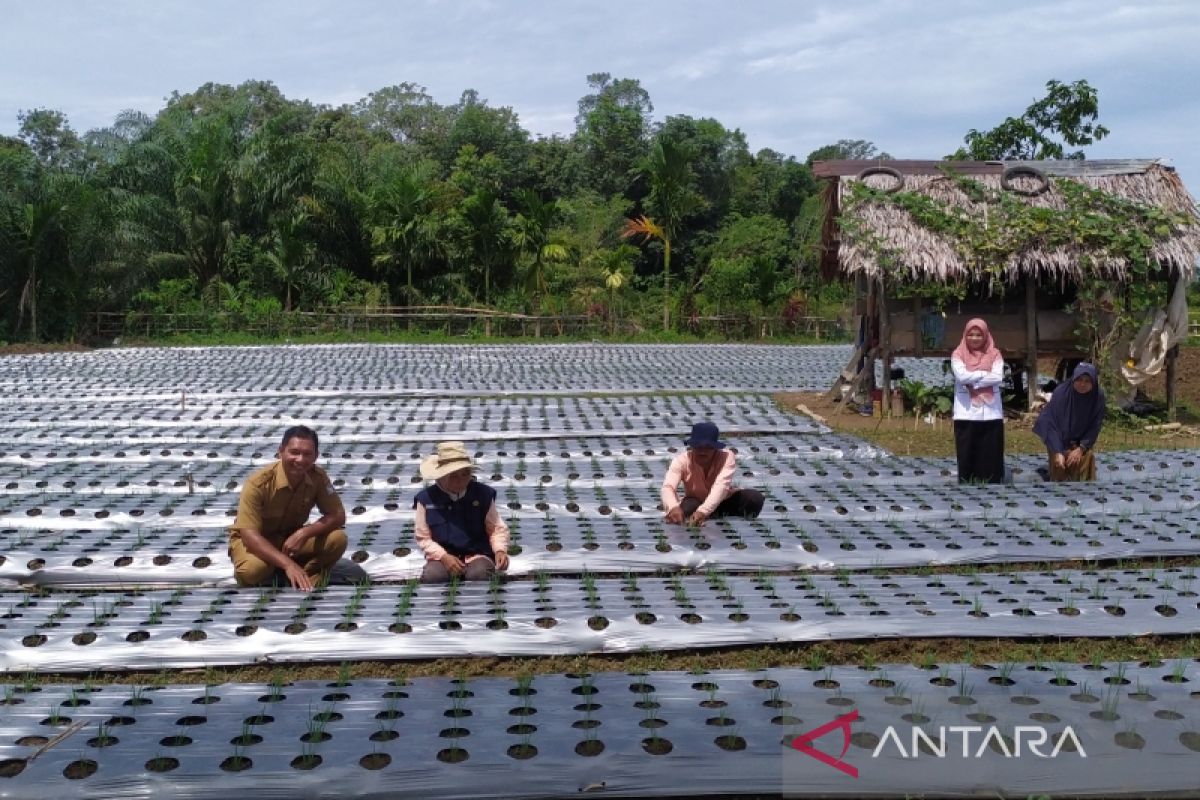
488	234
533	234
291	254
672	198
37	221
612	264
404	230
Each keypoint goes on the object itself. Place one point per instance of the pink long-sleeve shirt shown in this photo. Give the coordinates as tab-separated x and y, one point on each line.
711	486
496	528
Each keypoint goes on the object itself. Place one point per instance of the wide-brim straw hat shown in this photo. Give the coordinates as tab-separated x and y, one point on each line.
450	457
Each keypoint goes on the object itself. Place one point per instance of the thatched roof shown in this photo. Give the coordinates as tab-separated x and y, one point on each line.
931	256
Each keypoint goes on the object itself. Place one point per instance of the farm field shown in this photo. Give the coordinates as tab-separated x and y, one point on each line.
620	655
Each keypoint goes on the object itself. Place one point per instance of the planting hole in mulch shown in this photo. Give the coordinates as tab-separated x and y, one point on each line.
657	746
175	741
102	741
522	751
194	635
865	740
306	761
202	562
375	761
11	767
246	739
295	628
545	622
80	769
85	638
34	640
162	764
597	623
589	748
731	743
384	736
453	755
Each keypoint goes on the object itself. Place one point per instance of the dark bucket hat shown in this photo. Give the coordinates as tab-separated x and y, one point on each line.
705	434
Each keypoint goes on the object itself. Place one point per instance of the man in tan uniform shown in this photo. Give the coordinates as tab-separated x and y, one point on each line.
272	533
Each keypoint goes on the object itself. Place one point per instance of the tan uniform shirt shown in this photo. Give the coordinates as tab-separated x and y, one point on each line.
275	508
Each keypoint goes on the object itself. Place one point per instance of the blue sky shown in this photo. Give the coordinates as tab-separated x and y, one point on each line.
910	75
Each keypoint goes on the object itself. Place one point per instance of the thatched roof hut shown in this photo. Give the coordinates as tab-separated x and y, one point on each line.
878	241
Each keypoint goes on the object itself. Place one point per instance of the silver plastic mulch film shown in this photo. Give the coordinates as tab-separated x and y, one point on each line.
989	729
68	631
325	370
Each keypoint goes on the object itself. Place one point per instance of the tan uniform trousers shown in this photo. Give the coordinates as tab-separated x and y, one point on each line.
317	556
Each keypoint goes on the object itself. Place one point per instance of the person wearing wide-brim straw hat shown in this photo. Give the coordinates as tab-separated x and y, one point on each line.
706	471
457	525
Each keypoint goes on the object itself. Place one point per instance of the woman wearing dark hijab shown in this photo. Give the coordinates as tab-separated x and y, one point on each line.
1070	424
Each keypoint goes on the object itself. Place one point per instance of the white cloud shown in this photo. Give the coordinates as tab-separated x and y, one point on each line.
910	75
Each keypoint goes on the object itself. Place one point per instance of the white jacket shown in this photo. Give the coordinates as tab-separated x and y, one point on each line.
979	379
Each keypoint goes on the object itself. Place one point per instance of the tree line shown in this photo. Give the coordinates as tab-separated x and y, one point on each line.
238	199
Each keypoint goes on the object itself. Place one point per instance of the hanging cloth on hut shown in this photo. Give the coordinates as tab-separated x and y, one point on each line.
1165	328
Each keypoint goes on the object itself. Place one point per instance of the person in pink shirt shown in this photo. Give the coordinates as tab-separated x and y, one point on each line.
706	471
457	525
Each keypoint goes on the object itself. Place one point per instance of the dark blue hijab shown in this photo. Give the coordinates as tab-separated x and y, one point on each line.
1071	418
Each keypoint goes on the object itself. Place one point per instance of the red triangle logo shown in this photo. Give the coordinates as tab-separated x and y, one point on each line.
803	743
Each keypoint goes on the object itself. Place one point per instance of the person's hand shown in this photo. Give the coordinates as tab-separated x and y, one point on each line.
675	515
501	559
453	564
1074	456
1060	460
293	543
697	518
298	577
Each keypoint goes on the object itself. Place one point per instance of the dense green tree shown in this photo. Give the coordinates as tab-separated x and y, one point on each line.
613	128
771	183
487	235
406	114
404	230
1065	117
716	155
50	137
847	150
489	131
535	236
